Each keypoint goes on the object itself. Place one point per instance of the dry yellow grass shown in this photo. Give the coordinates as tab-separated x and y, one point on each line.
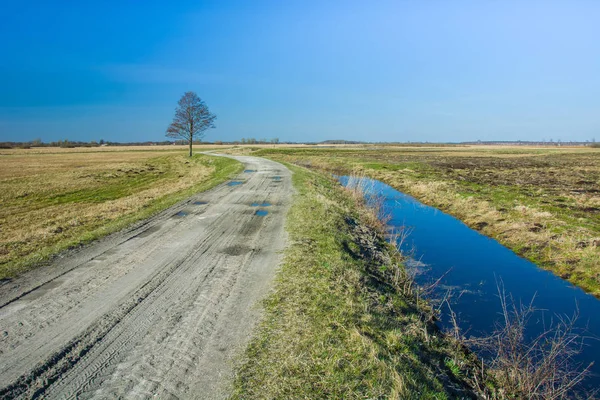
103	149
544	203
54	199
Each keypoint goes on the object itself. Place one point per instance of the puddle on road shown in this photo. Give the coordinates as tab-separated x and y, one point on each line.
276	178
249	171
261	204
180	214
261	213
199	203
235	183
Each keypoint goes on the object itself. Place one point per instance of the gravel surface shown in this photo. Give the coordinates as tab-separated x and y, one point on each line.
159	310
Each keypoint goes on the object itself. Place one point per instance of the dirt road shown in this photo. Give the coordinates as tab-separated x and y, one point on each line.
160	310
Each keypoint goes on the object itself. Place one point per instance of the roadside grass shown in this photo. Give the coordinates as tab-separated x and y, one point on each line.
544	204
53	202
336	326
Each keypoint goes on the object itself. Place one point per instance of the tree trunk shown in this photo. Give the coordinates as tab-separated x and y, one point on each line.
191	134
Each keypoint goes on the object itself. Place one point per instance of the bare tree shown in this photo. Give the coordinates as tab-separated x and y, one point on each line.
192	118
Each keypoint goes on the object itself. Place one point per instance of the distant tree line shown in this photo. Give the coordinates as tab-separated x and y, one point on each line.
66	143
543	142
341	141
259	141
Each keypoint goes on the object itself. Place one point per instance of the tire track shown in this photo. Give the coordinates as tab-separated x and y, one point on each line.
147	316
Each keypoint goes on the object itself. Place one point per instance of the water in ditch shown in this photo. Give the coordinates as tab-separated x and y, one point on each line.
473	266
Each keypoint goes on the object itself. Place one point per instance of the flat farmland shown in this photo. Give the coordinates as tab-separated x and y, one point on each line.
54	199
543	203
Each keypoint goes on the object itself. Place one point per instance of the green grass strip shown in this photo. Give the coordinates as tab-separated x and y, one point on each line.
224	169
333	328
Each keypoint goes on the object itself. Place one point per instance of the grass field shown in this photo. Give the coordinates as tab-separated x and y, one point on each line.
104	149
53	199
544	203
339	323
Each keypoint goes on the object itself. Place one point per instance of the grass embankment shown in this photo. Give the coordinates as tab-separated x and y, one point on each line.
542	203
338	324
52	202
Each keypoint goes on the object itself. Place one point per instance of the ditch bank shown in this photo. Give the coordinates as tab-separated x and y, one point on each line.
343	320
475	273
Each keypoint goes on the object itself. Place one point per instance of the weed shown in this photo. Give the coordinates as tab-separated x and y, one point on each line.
542	203
540	367
453	367
338	324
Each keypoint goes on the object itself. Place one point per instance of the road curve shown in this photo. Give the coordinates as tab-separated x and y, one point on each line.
159	310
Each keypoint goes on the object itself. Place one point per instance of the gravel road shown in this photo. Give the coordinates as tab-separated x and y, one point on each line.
159	310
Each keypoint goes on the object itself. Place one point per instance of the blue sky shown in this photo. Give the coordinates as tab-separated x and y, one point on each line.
302	70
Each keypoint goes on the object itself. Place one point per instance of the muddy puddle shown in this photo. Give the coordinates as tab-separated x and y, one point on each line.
236	250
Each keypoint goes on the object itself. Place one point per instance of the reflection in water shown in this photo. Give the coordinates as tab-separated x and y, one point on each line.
473	266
